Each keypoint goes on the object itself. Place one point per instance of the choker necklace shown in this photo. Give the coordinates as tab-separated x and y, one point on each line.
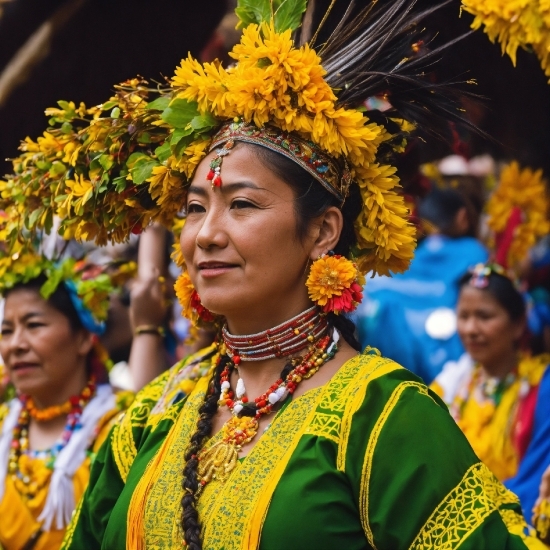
288	338
218	461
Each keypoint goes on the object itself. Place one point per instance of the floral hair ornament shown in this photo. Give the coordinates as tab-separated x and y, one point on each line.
481	272
190	301
335	284
110	170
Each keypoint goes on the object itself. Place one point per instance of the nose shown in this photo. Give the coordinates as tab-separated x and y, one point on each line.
212	231
468	326
16	342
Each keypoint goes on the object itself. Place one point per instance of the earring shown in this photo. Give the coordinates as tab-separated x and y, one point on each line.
190	301
335	284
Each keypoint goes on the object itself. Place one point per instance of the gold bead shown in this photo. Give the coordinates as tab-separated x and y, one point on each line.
296	331
310	338
324	356
319	362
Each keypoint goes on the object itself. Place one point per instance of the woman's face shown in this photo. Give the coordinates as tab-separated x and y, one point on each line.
488	333
44	357
240	243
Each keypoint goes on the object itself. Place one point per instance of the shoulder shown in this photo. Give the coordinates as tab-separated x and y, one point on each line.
156	407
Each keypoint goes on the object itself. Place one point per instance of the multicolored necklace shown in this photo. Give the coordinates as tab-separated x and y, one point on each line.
286	339
218	461
20	437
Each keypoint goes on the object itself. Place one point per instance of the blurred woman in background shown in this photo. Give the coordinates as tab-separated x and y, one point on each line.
64	406
497	394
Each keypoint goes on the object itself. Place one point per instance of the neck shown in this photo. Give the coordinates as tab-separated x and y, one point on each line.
252	322
49	397
502	366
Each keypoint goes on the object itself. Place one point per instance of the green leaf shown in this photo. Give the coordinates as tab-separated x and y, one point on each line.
253	11
66	128
159	104
163	152
43	165
108	105
57	169
33	218
115	113
106	161
120	183
204	122
288	14
144	138
180	113
141	167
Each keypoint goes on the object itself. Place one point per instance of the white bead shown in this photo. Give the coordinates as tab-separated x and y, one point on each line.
226	385
281	392
240	389
237	409
273	398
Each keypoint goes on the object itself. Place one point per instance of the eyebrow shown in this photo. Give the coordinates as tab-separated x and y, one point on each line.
25	317
227	188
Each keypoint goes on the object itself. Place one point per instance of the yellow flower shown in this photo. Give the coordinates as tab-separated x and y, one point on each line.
524	190
330	276
184	291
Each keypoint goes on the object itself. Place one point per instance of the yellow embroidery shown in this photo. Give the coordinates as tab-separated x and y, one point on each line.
465	508
369	453
124	448
378	367
69	533
161	515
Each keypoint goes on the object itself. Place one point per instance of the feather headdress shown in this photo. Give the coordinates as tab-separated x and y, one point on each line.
110	170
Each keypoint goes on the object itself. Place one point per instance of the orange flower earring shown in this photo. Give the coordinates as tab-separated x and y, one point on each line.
335	284
190	301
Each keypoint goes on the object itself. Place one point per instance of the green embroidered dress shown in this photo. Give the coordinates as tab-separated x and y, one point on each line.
371	460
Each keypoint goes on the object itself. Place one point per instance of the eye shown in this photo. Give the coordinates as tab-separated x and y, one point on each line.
35	324
241	203
6	331
195	208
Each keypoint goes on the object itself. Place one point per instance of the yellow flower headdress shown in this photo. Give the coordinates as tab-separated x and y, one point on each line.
518	214
89	286
110	170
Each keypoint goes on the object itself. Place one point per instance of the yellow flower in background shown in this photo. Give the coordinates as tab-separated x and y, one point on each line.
524	190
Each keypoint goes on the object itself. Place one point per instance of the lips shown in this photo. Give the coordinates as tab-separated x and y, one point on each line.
212	269
23	366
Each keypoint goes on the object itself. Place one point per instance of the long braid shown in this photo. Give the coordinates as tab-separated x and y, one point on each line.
346	327
190	517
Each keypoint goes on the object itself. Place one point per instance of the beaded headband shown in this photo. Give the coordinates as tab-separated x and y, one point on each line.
305	153
481	272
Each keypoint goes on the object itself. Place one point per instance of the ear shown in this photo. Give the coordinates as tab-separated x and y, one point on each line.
327	232
519	329
85	342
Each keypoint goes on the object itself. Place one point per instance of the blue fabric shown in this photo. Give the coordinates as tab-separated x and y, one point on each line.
84	314
537	457
393	315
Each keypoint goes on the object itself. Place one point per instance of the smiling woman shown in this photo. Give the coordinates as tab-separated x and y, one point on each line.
281	434
62	412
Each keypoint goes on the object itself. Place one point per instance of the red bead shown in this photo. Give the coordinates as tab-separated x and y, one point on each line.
244	399
15	444
137	229
261	403
210	175
236	360
217	181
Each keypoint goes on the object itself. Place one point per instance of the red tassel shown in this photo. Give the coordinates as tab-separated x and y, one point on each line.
210	175
217	181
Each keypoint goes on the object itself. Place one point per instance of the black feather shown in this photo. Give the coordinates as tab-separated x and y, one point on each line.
385	50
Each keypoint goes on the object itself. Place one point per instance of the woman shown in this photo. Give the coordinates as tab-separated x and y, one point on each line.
499	396
280	435
64	406
329	446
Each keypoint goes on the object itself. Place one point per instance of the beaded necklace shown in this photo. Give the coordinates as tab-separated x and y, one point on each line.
20	441
288	338
218	461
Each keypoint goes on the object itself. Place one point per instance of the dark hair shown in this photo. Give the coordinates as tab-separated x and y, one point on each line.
59	299
312	200
440	208
502	289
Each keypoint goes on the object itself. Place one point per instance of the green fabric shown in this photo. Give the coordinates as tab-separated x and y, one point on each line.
419	458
